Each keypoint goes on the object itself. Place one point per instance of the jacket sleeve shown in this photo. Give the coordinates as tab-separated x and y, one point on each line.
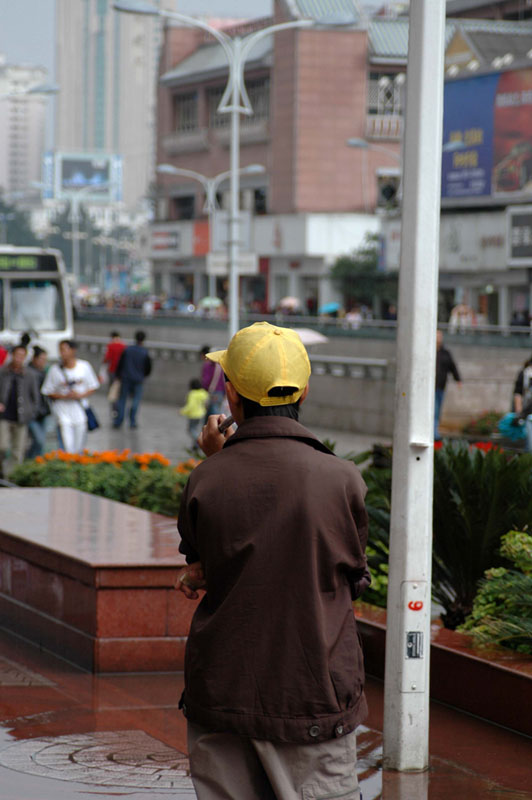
120	365
359	577
147	366
454	370
186	527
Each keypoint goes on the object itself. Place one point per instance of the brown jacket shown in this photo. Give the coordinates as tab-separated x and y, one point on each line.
280	527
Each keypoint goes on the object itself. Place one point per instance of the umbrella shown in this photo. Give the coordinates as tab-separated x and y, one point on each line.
329	308
210	302
290	302
309	336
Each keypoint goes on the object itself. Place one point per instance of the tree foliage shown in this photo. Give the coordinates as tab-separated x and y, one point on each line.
15	226
358	278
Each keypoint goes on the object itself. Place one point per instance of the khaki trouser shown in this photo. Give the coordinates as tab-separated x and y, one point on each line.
13	439
225	766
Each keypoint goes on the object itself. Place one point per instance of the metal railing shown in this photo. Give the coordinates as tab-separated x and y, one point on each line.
337	366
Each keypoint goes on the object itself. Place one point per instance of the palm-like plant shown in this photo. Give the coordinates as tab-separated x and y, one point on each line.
478	496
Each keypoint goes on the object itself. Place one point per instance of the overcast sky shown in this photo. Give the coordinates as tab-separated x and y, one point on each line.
27	26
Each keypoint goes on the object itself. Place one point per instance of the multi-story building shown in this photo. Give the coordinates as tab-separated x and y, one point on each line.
106	68
312	90
22	127
486	221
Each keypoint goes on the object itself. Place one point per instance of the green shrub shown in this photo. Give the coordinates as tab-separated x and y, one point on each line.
502	609
478	496
483	425
145	480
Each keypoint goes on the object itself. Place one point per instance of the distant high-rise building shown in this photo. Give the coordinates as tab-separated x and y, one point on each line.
22	127
107	73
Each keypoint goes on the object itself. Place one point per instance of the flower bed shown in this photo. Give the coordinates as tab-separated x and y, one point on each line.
144	480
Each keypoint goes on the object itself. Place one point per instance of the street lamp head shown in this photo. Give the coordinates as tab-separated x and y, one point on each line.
44	88
167	169
355	142
337	20
136	7
253	169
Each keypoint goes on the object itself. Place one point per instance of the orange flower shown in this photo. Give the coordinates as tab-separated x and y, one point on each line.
40	460
144	467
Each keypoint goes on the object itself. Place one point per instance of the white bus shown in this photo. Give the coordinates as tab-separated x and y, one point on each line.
34	297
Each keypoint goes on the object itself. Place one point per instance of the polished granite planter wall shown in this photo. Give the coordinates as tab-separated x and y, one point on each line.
92	580
494	683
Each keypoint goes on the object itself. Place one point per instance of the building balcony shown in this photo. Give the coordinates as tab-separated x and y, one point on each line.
252	131
384	126
179	142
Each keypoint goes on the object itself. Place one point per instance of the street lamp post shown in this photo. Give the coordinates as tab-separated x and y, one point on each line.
234	101
77	196
210	185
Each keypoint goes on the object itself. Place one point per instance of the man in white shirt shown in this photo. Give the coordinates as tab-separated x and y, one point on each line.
69	384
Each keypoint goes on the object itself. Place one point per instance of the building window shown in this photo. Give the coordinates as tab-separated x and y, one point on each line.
183	207
214	96
385	93
186	112
259	97
260	205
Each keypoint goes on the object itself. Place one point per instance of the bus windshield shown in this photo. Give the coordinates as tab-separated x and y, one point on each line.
36	304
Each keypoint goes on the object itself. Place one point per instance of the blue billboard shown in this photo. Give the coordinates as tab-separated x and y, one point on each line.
487	136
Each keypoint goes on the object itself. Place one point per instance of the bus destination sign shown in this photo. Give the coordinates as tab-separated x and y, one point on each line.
27	262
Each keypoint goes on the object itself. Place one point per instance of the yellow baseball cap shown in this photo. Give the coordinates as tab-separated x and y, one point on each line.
263	357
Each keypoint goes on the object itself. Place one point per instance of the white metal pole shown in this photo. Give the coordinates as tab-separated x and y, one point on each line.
406	694
234	227
75	238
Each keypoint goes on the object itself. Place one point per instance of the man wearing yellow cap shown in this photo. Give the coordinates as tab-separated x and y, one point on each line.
274	528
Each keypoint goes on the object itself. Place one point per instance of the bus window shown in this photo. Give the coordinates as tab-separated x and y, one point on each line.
36	304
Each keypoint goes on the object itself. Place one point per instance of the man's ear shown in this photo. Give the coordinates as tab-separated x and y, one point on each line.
305	393
231	392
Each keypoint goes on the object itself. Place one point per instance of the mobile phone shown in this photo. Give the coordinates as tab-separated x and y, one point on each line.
223	426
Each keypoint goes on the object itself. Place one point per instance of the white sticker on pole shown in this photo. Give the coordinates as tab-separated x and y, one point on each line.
415	603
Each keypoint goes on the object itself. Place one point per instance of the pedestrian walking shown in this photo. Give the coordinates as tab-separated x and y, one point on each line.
212	380
110	361
274	529
69	384
19	398
132	370
37	426
522	399
194	409
444	365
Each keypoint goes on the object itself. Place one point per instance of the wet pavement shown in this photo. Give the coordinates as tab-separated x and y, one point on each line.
161	429
65	733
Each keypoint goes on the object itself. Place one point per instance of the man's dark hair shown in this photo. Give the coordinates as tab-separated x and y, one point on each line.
38	351
139	337
194	384
252	409
19	346
114	334
25	339
205	349
70	342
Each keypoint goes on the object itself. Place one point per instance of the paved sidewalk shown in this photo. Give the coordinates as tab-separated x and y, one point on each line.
162	429
66	734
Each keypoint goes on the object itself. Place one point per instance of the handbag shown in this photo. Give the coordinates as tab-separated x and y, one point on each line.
114	391
92	419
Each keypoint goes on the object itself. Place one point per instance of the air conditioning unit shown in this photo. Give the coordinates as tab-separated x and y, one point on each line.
388	187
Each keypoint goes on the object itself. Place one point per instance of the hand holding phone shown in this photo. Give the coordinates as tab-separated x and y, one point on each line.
225	424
